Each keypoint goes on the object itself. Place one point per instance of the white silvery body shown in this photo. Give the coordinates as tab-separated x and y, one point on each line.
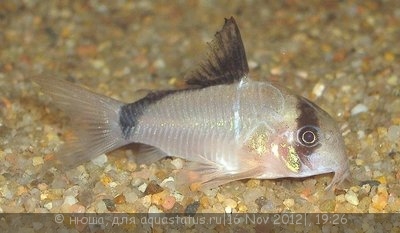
225	124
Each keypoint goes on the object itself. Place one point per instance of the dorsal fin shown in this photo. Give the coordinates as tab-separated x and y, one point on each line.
225	61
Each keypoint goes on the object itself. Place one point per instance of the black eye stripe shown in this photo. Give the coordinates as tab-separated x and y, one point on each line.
307	113
308	117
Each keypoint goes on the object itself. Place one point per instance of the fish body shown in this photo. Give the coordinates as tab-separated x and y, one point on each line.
228	126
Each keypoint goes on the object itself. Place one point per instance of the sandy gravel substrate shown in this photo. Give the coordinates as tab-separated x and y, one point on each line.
344	56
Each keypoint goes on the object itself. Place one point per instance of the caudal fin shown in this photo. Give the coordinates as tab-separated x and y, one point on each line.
94	118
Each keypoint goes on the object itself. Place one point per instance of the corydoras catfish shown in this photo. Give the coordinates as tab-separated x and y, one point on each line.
226	125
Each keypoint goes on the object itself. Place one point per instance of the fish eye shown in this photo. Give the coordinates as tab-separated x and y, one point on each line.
308	136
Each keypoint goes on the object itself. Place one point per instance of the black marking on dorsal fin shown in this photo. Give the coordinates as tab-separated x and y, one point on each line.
225	62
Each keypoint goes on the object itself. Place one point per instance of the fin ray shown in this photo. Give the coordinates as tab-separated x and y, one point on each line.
149	154
209	176
94	119
225	62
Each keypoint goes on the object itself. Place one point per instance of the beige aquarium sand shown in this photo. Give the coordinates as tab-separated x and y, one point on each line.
344	56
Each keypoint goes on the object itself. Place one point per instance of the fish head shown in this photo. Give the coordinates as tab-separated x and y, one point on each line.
315	145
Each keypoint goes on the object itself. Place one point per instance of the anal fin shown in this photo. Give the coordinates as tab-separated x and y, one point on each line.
149	154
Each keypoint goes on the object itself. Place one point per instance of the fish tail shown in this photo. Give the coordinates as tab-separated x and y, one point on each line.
94	120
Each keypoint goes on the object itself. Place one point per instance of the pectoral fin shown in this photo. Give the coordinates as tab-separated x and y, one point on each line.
206	177
209	174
